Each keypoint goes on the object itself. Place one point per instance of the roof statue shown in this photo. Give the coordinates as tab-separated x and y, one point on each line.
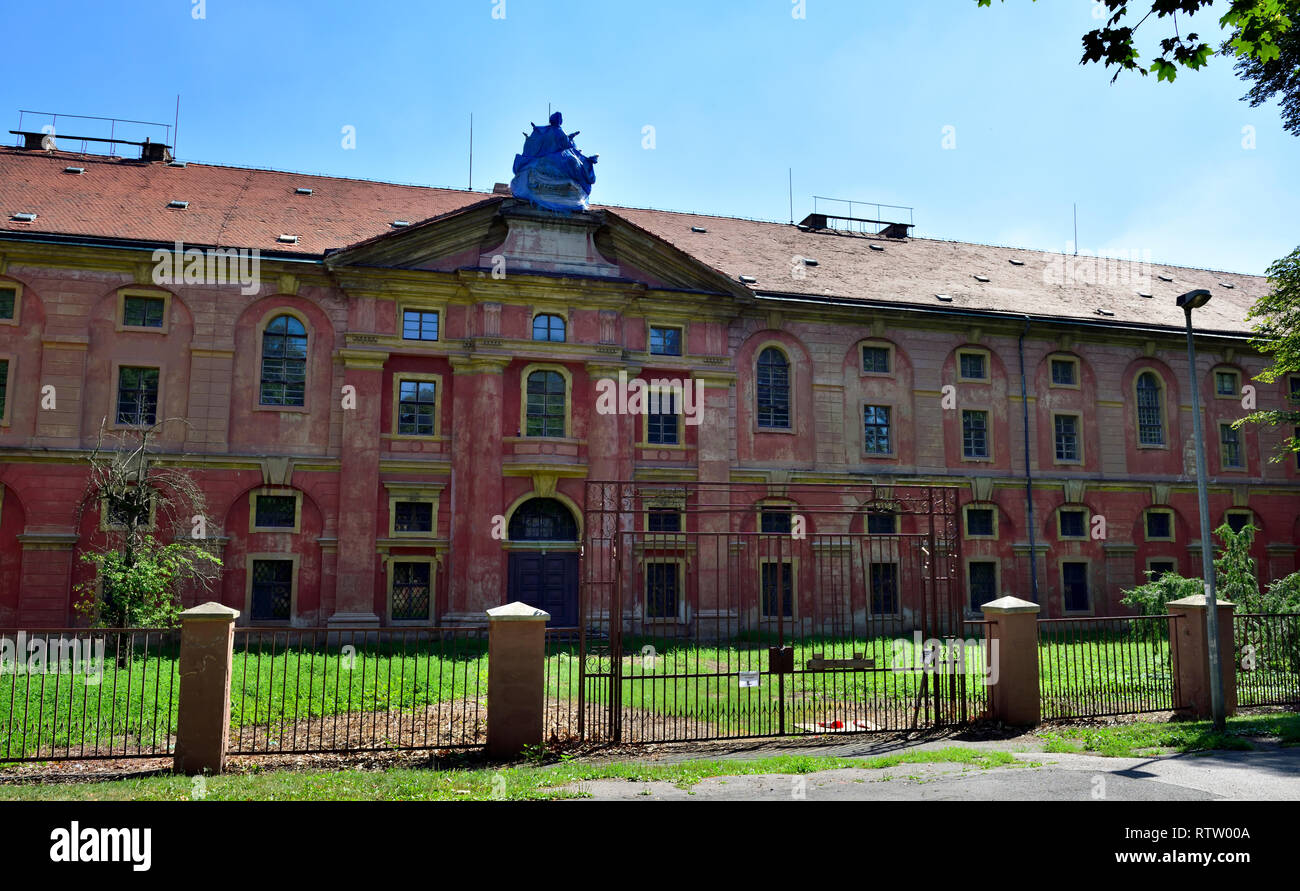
551	172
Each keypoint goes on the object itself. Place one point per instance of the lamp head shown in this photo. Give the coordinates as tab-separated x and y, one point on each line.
1194	299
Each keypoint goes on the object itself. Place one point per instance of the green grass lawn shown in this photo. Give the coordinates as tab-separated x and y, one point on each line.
1132	740
508	783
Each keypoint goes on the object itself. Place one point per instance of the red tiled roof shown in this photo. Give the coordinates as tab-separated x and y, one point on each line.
241	207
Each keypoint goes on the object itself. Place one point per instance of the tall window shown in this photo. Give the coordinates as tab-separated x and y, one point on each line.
284	362
1150	409
419	324
272	589
411	589
548	327
545	412
665	341
777	583
1230	446
974	433
982	582
662	597
661	422
875	430
773	389
1067	437
8	301
137	395
1074	586
4	386
884	588
417	408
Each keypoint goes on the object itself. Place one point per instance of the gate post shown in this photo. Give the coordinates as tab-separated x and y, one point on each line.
1189	656
1014	697
516	678
203	709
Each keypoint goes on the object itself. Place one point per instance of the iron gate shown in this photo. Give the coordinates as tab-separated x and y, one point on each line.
726	610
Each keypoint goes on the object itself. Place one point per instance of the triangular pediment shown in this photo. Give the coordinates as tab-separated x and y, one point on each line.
512	237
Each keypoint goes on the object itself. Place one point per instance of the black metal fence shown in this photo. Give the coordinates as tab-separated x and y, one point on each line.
296	691
1268	658
78	693
1107	665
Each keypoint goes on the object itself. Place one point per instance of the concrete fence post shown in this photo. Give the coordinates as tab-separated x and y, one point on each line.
203	713
1015	698
516	678
1189	656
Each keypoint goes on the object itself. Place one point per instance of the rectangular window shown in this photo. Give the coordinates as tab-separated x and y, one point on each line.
413	516
417	408
1230	446
1160	525
8	301
973	366
665	341
1073	523
1159	568
1074	587
1225	383
982	582
974	434
881	522
1238	520
778	589
1295	434
419	324
661	591
544	413
137	395
275	511
980	522
660	519
272	590
410	597
775	520
661	422
1067	437
143	312
1293	383
875	360
4	387
1065	373
884	588
875	430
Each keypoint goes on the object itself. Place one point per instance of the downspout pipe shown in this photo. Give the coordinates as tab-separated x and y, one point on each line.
1029	478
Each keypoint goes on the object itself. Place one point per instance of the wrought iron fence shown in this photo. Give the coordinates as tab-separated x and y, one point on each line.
564	696
80	693
1268	658
1108	665
304	690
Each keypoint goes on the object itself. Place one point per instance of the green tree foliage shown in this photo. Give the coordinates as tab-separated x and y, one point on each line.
1276	318
140	588
1278	76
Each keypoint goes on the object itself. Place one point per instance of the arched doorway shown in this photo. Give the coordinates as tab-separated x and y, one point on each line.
543	535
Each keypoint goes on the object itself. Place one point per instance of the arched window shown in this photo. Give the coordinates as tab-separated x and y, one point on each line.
773	389
546	410
1150	409
284	362
543	519
548	327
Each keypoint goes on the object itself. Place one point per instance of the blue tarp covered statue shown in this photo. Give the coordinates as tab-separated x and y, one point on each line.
551	172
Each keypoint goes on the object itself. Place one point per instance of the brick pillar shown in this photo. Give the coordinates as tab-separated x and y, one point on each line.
1013	643
203	712
1190	656
478	493
516	678
713	457
354	598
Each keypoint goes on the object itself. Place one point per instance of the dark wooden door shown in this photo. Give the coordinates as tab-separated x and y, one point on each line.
548	581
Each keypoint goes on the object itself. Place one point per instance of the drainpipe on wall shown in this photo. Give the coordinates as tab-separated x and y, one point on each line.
1029	479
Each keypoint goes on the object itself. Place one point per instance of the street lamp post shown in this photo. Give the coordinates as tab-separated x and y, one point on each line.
1190	301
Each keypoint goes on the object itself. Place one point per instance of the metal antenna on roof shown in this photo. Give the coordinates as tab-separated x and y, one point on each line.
176	130
791	172
471	151
1076	228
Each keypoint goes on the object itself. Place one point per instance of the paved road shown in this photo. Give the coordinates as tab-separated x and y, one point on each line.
1268	774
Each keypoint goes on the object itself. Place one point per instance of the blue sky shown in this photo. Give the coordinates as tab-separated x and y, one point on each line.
854	97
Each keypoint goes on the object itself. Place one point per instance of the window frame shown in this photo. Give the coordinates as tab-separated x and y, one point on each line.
897	612
17	287
1214	381
1070	359
1087	522
1078	437
416	377
1086	563
404	308
249	561
965	520
985	355
681	338
391	573
680	564
781	348
274	491
523	398
115	395
1173	560
868	513
890	358
265	323
997	581
793	560
680	427
988	457
552	314
1162	395
6	411
1240	443
148	294
1250	518
106	526
420	492
890	432
1146	526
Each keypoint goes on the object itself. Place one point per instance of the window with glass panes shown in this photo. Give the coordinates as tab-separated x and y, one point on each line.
4	386
663	519
1225	383
1065	372
662	597
661	422
1230	446
413	516
143	312
1150	410
545	412
1160	525
272	590
275	511
284	362
137	395
775	520
410	598
1067	437
548	327
875	359
982	582
417	407
777	584
881	522
1159	568
1073	523
773	389
884	588
665	341
419	324
980	522
973	366
8	301
974	433
875	430
1074	583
